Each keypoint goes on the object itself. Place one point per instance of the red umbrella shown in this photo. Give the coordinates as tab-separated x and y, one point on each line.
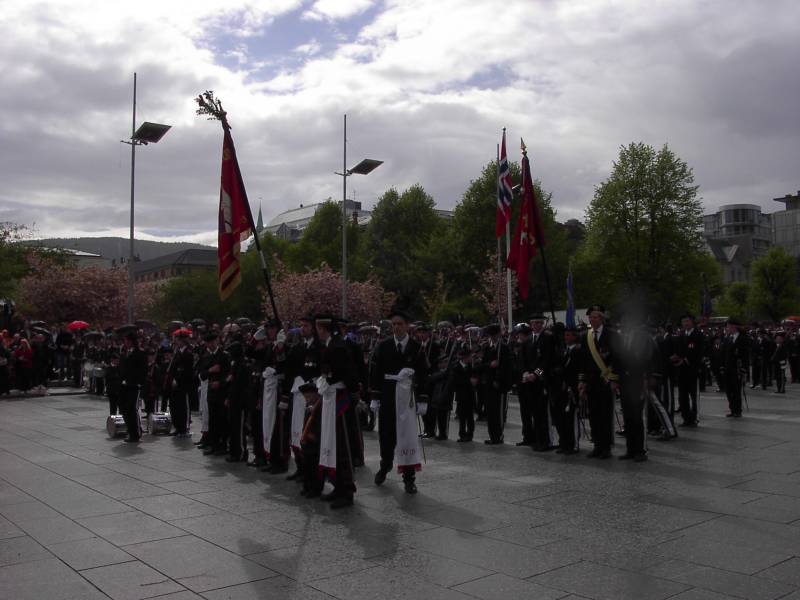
78	326
182	332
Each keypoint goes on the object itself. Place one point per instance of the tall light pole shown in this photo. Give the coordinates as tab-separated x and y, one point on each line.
148	133
365	167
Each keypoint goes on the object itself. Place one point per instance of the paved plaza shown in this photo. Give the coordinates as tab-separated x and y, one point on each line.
714	514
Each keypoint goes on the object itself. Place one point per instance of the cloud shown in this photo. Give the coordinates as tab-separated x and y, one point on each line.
334	10
427	87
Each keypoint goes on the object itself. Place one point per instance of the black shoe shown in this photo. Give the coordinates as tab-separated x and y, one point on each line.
219	452
208	450
542	448
329	497
737	415
129	440
294	476
570	451
594	453
342	502
605	454
523	443
233	459
560	451
411	487
425	435
278	469
640	458
380	476
626	456
730	415
441	438
312	493
464	440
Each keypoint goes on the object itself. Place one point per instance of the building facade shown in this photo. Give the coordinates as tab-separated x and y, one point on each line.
736	235
175	264
786	225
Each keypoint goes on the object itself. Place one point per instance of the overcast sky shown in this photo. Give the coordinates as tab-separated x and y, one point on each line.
427	86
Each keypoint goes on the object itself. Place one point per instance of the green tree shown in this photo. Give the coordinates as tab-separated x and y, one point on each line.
399	234
734	302
773	292
644	238
13	257
473	238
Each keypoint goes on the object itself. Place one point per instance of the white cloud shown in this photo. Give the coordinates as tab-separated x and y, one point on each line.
427	86
334	10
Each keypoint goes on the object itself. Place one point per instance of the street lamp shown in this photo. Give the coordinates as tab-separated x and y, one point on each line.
365	167
148	133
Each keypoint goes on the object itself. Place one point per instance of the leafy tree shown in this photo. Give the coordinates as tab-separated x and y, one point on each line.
61	293
734	302
319	290
773	292
396	249
18	255
644	236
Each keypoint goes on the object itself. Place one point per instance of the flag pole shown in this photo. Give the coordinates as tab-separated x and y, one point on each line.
213	107
541	250
499	289
508	276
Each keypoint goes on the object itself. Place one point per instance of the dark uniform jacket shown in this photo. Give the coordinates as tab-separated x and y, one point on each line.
388	361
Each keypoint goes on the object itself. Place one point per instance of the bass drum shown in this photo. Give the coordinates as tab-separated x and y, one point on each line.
159	423
115	426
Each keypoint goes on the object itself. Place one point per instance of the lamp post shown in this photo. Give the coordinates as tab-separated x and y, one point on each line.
148	133
365	167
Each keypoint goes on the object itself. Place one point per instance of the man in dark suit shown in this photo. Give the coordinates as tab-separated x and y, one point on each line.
599	379
215	366
464	383
132	373
395	353
688	358
542	350
566	368
496	379
735	362
180	374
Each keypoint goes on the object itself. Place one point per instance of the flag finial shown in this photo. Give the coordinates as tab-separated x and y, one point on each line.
523	147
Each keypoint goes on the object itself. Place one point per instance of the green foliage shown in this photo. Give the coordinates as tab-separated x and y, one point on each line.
644	238
402	228
18	256
735	302
774	290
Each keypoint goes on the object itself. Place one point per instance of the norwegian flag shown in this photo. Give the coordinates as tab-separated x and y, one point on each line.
504	191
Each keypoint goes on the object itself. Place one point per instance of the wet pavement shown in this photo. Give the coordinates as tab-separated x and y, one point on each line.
714	514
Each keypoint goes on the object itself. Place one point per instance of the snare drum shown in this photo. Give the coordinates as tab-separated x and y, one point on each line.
159	423
115	426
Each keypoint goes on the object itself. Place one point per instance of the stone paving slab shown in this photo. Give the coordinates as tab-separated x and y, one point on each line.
713	515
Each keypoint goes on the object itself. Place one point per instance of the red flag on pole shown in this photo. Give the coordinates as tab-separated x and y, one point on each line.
235	220
504	191
528	235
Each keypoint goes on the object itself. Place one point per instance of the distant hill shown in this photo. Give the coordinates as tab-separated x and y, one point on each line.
115	248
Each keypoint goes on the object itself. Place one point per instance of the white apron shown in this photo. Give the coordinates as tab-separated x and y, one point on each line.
407	451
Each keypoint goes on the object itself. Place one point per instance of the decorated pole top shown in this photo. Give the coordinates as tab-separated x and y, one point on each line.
212	108
522	147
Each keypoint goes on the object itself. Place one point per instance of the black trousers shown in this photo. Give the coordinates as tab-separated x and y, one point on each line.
130	414
436	419
217	423
113	404
526	399
257	430
279	444
465	411
780	379
565	418
733	390
687	395
541	418
179	410
387	436
601	415
633	404
344	484
236	418
493	402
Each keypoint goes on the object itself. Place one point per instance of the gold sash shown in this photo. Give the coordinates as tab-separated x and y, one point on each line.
605	371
